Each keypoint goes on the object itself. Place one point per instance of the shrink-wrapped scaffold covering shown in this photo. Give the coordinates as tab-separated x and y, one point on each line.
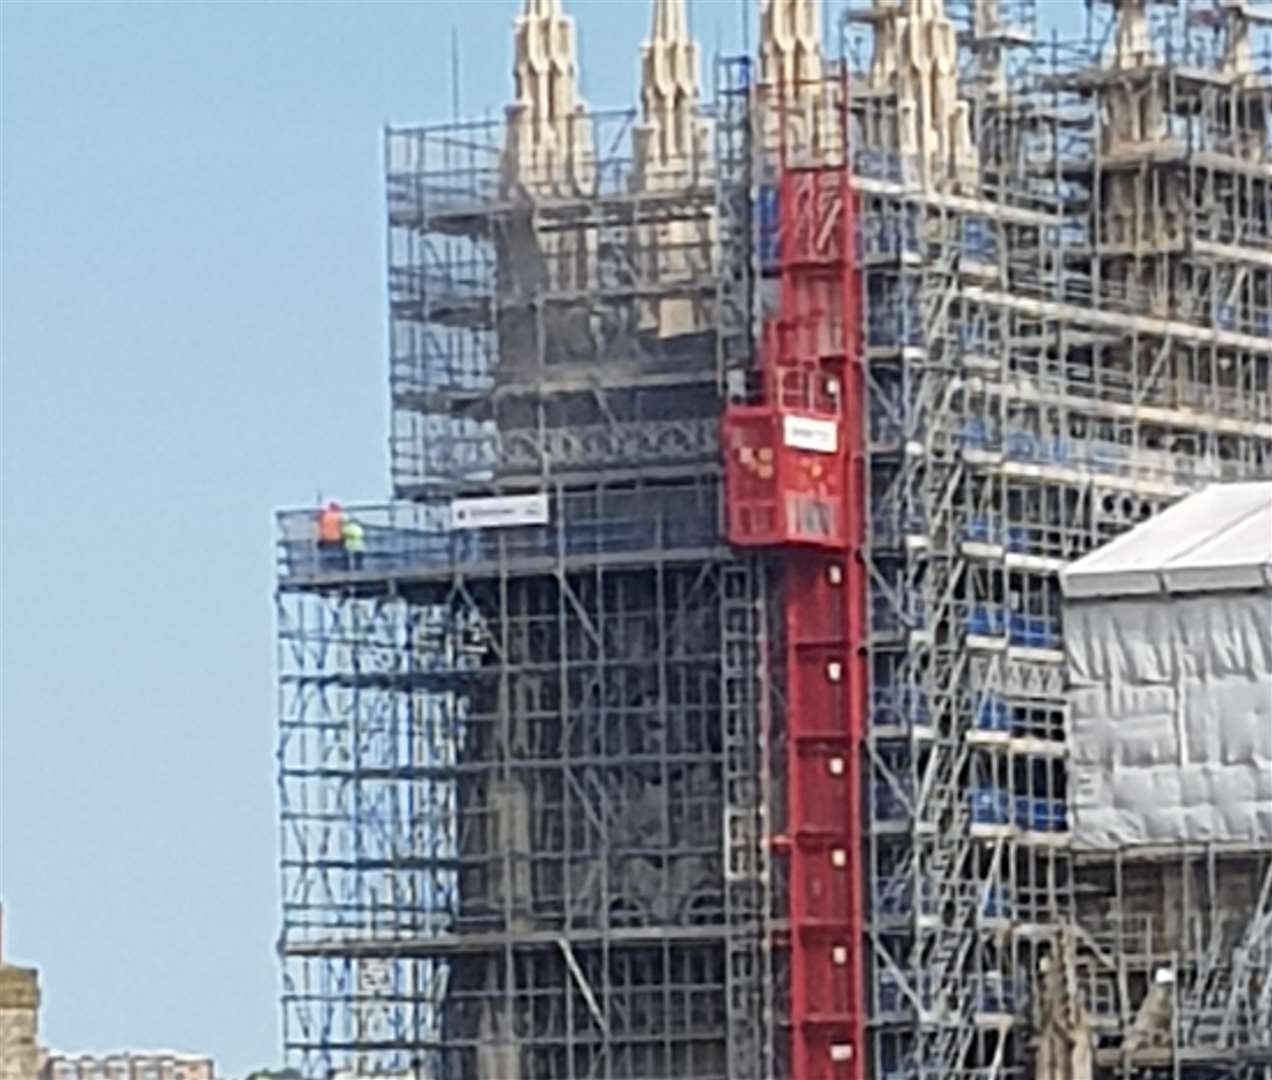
1168	632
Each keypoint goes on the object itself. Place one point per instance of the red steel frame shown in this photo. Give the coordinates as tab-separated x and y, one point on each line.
775	473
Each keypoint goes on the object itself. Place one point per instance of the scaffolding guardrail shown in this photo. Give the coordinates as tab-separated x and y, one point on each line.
412	537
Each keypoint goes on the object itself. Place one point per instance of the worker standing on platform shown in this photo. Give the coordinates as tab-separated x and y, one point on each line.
330	537
355	543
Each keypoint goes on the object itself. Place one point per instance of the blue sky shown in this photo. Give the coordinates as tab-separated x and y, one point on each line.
192	334
192	331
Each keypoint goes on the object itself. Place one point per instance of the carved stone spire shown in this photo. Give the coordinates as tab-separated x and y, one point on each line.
790	42
797	102
672	151
1134	110
1132	41
1133	124
916	57
670	22
548	144
672	144
1238	59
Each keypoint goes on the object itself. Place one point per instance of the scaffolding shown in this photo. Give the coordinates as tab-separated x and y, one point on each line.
1173	972
1066	328
573	796
502	777
506	304
521	767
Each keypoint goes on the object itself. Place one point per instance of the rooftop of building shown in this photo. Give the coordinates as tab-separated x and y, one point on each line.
1217	539
19	986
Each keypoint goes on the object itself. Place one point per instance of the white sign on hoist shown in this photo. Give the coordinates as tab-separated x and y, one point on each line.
806	433
499	512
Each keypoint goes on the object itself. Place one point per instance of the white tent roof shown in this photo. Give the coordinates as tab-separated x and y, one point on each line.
1219	538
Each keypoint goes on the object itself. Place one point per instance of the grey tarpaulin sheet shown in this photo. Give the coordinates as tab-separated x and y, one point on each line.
1171	718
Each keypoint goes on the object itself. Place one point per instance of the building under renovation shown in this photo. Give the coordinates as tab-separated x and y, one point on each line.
697	706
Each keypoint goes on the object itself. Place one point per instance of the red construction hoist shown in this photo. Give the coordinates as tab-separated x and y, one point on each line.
794	476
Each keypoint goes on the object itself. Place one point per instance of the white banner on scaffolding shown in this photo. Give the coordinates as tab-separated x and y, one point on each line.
499	512
805	433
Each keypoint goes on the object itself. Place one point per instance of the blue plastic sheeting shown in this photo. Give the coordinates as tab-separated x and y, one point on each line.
1023	538
979	240
1034	631
993	714
993	806
982	529
974	434
768	220
985	620
890	236
1022	629
990	806
878	164
986	529
997	904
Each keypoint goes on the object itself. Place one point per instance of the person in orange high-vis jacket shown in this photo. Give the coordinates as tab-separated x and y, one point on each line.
331	537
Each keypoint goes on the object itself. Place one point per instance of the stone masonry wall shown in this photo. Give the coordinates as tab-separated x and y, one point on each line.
19	1021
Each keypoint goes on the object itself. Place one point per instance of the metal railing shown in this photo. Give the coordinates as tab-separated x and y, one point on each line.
415	537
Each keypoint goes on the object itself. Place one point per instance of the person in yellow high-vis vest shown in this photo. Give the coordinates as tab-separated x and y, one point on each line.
355	542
